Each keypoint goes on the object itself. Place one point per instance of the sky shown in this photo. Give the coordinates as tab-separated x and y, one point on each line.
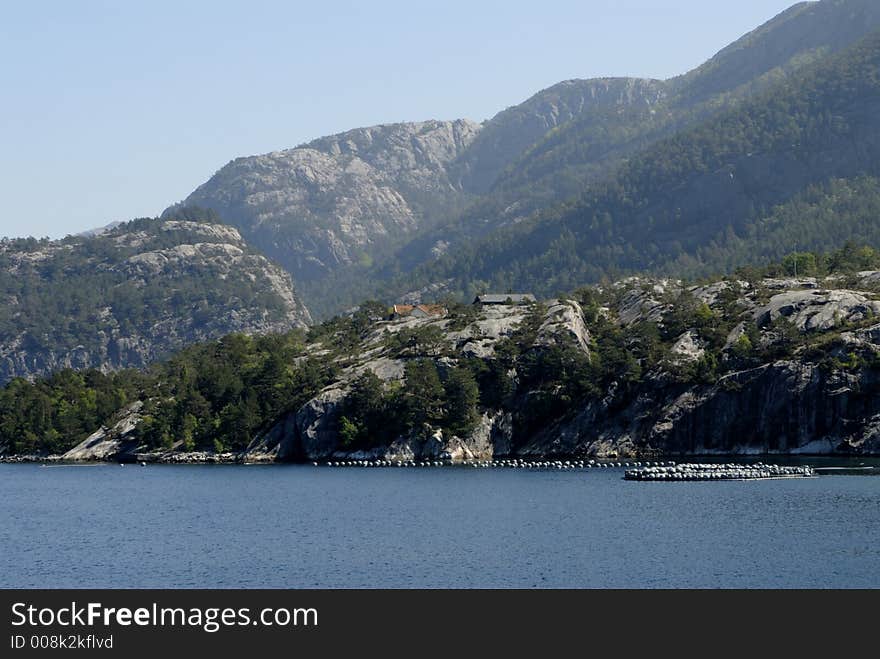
115	110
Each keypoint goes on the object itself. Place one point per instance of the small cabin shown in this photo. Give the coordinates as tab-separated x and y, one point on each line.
505	298
418	311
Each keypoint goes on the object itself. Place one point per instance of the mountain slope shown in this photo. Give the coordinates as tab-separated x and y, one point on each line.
348	213
506	136
593	144
133	293
343	199
706	186
801	34
642	367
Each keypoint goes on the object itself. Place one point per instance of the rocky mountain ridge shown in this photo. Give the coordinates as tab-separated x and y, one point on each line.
343	199
347	214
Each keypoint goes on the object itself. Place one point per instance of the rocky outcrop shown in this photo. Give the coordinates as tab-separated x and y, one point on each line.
311	432
786	407
564	325
799	301
687	348
340	200
491	436
819	397
118	442
493	324
133	293
316	425
640	300
866	337
797	405
812	310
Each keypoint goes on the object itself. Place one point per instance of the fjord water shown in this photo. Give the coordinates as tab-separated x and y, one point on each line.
301	526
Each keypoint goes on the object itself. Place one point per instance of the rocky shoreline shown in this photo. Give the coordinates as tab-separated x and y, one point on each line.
194	458
362	460
783	368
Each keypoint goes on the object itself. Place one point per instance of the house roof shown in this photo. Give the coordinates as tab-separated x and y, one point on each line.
432	309
503	298
427	309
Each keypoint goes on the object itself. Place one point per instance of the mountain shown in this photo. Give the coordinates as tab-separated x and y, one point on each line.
784	45
802	34
690	199
133	293
591	147
761	362
348	213
340	200
513	131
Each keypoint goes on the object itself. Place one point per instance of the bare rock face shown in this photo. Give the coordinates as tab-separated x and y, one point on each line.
565	323
343	199
687	348
869	277
110	443
864	337
710	294
785	407
641	299
493	324
789	283
312	431
512	131
490	436
316	424
818	309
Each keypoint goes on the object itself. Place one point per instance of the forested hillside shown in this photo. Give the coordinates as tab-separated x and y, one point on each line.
727	186
133	293
639	367
769	147
591	128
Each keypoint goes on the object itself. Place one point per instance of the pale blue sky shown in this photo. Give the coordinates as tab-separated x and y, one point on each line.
114	110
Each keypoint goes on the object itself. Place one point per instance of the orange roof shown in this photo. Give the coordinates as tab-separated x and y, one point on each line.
433	309
428	309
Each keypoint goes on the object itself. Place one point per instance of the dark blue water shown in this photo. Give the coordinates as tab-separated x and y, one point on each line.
299	526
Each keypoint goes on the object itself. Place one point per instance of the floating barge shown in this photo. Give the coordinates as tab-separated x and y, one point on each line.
717	472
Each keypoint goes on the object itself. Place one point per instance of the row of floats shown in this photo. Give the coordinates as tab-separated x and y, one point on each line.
634	471
496	464
717	472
